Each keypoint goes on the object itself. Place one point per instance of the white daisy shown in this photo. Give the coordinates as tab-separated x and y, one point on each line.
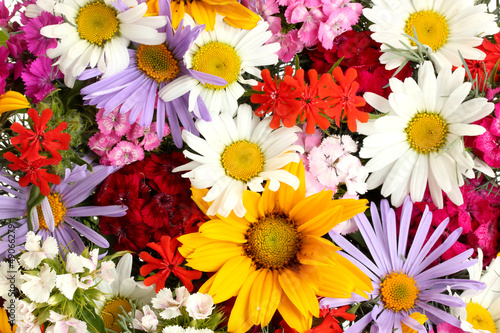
97	33
121	291
446	26
227	52
482	314
236	154
419	140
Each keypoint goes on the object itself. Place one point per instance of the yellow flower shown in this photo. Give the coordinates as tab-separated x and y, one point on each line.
4	322
421	318
203	12
274	257
12	100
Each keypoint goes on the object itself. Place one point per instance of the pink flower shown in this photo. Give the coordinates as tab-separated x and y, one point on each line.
290	44
489	142
113	122
311	19
339	21
125	153
308	142
101	144
4	69
38	44
266	9
200	306
38	78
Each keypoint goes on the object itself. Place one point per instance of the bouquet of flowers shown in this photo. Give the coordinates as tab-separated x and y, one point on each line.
249	166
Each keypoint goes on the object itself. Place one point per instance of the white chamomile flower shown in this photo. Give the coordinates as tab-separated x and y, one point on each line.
419	140
446	26
120	291
482	313
35	253
237	154
227	52
38	288
97	33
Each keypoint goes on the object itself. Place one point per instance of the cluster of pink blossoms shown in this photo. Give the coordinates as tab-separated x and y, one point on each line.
308	22
119	143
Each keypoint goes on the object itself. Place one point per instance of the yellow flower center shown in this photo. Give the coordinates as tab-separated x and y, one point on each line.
273	242
480	318
426	132
112	309
431	28
157	62
57	207
399	292
218	59
242	160
97	23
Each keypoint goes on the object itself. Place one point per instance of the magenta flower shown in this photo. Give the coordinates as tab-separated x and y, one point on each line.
113	122
488	142
38	78
4	69
101	143
37	43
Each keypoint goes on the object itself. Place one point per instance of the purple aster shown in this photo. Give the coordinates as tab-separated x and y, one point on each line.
38	78
151	68
404	281
37	43
54	216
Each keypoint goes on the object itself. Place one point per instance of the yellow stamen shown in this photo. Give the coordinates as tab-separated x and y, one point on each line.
57	207
218	59
112	309
426	132
242	160
157	62
431	28
273	242
399	292
480	318
97	23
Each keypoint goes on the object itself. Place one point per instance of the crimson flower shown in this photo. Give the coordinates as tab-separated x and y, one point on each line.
330	323
34	172
32	141
171	259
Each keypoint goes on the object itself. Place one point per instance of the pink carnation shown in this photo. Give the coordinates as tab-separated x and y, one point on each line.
101	143
37	43
125	153
113	122
489	142
290	44
38	78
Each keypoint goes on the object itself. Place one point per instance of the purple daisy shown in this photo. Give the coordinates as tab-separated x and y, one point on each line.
404	282
151	68
38	78
54	216
37	43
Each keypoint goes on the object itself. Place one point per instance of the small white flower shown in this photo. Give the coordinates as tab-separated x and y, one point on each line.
36	253
106	271
25	312
38	288
74	263
166	302
173	329
145	320
200	306
64	324
67	284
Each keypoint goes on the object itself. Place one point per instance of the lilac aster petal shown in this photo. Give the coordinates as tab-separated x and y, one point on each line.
47	214
68	239
207	78
11	207
371	241
13	192
412	323
450	266
443	284
11	182
390	217
359	325
449	300
420	236
160	114
404	226
113	211
90	234
175	129
438	316
202	109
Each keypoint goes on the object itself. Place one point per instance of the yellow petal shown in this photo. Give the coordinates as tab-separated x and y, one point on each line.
351	207
239	320
361	281
309	207
267	201
12	100
238	15
251	202
287	196
299	292
190	242
211	256
178	12
230	278
205	288
4	322
220	230
292	316
421	318
203	14
317	249
321	223
264	297
197	196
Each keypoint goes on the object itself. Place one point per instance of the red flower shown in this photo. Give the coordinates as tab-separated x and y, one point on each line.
330	323
171	259
129	231
345	99
32	142
278	98
34	172
159	169
311	105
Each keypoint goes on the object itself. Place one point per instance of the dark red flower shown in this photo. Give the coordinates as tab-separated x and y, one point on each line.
129	231
34	172
159	169
171	259
36	140
118	189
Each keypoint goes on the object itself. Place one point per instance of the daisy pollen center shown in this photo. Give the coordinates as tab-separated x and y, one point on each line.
431	28
112	309
273	242
157	62
480	318
218	59
399	292
57	207
97	23
242	160
426	132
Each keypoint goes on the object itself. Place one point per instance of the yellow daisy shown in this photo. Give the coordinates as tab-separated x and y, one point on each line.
274	257
4	322
203	12
12	100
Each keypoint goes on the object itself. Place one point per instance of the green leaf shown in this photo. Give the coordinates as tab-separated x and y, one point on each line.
79	161
330	71
95	324
4	36
35	199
